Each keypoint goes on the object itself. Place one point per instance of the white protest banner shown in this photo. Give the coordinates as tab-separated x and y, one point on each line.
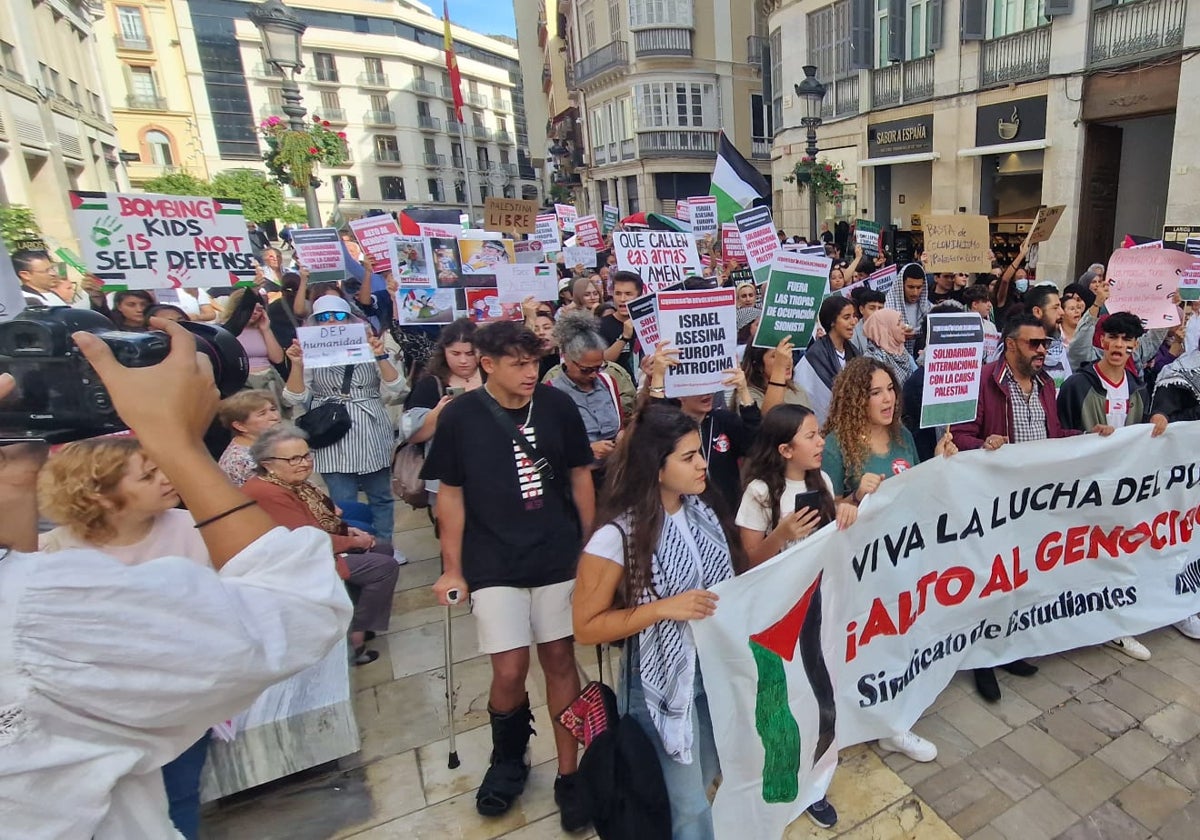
953	363
610	216
12	300
1049	546
702	325
529	252
660	257
1143	280
794	292
567	214
574	255
149	241
587	232
644	313
957	243
514	283
434	231
412	261
320	251
759	239
375	235
547	233
731	244
1044	224
703	210
334	345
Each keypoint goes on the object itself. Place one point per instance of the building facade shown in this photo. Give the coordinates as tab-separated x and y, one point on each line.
56	130
653	83
996	107
543	53
376	71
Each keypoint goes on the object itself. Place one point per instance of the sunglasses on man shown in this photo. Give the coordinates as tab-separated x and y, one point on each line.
1037	343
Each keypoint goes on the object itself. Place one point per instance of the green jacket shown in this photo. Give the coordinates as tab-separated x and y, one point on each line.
1081	400
620	378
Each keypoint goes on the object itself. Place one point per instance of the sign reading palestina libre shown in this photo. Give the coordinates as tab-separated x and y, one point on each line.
851	634
148	241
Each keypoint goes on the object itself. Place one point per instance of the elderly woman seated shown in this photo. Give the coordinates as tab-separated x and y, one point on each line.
281	487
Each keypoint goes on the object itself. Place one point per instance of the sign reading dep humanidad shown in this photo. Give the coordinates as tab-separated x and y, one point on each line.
149	241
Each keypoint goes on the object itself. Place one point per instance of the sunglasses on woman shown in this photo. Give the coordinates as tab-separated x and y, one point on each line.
332	316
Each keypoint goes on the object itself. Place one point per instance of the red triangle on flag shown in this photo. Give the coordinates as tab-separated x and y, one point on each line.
782	636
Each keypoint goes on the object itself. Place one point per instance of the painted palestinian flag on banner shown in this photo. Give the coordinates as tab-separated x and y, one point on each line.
735	182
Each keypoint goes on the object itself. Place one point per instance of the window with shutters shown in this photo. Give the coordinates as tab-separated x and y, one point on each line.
391	188
1004	17
644	14
589	32
828	43
330	101
614	18
776	51
676	105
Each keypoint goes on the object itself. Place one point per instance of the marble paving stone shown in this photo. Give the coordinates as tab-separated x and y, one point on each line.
1013	709
1153	798
1039	691
405	714
1183	765
1181	668
418	545
1133	753
1108	822
953	746
1063	673
1037	817
980	813
418	607
907	819
1071	731
971	788
946	782
1098	661
419	573
987	833
1040	750
971	719
1086	785
548	828
862	786
1015	777
1174	725
408	519
1128	697
374	673
1101	714
1184	824
919	771
424	649
1150	678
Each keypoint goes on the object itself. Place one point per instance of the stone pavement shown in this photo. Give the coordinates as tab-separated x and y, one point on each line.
1096	746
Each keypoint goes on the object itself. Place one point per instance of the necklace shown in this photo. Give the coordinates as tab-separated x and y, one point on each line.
528	411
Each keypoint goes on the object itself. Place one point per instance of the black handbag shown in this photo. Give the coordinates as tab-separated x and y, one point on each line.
329	422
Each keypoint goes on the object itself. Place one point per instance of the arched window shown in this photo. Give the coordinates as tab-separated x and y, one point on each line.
159	145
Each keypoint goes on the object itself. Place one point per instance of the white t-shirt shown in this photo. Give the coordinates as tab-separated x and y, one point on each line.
607	543
173	534
1116	399
752	513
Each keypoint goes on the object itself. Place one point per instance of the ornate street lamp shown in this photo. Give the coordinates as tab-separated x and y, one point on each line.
811	94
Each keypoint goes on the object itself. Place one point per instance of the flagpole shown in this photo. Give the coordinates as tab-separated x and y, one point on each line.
462	134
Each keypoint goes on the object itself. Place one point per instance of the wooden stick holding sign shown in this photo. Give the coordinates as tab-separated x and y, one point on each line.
1044	224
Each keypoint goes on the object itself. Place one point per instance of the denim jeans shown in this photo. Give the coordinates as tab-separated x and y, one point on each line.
181	778
687	784
378	487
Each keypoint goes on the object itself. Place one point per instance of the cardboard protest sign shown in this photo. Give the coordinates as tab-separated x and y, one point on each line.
12	300
334	345
702	325
514	283
703	210
1189	283
957	243
1047	549
320	251
1143	280
547	232
149	241
660	257
425	306
867	237
610	218
412	261
484	305
953	365
567	214
1044	224
478	259
731	244
587	232
574	255
529	252
375	235
509	215
759	239
794	292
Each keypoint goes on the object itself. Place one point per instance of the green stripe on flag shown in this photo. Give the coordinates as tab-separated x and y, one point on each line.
102	206
777	729
232	211
727	207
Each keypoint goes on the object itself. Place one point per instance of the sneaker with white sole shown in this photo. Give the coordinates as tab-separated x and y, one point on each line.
822	813
1131	647
1189	627
399	557
912	745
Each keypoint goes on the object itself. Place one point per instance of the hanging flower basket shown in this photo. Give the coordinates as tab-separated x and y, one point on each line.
825	178
292	157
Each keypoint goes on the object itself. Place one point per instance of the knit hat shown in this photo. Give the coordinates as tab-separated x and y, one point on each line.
746	316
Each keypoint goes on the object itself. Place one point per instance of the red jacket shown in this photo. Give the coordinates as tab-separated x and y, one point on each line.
994	413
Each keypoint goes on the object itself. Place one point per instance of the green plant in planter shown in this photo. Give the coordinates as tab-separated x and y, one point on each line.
18	227
824	177
292	157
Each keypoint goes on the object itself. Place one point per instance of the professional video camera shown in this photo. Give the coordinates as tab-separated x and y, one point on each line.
59	397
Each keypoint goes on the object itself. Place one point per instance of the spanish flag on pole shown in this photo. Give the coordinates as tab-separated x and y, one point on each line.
452	63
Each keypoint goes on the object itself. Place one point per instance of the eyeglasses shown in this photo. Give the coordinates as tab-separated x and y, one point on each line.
1035	343
295	460
588	370
332	316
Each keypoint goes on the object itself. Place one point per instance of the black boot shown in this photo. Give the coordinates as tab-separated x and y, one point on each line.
505	778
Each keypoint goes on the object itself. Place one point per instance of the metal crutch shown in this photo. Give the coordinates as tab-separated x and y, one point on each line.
452	762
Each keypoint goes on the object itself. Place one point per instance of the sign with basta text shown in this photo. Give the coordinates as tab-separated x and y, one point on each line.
957	243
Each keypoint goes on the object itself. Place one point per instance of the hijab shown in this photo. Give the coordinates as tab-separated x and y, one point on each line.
886	329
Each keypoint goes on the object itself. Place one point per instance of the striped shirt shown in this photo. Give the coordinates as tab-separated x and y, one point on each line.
368	446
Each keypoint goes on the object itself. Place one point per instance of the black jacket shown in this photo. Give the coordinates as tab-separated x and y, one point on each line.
823	358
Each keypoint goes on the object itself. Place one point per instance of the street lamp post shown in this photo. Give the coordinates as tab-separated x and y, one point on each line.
811	93
281	31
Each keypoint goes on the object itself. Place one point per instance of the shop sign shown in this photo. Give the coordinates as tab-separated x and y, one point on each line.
901	137
1015	121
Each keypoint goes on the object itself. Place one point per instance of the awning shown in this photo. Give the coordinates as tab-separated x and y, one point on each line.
1005	148
921	157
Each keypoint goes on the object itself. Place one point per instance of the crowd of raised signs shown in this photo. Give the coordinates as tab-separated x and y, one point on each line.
582	490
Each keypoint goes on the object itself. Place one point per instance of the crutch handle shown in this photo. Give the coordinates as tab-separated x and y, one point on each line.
452	596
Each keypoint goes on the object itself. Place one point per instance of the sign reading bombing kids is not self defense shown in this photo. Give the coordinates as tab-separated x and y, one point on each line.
702	326
162	241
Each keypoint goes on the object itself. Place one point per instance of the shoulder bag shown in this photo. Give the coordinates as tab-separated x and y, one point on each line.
329	422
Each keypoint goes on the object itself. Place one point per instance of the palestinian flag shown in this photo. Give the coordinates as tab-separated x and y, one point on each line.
735	182
89	200
227	206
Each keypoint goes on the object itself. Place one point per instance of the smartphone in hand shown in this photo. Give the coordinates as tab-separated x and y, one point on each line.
808	499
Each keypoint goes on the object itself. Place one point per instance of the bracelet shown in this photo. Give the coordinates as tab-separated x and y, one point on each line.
384	358
229	512
657	389
778	384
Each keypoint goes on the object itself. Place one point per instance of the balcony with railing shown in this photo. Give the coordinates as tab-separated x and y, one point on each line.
387	118
333	115
271	110
510	169
502	137
266	71
140	42
478	100
480	132
610	57
600	155
373	80
755	44
140	102
677	143
841	98
456	127
648	43
434	160
547	78
902	82
424	86
760	148
390	157
1014	58
428	123
501	105
1136	30
323	76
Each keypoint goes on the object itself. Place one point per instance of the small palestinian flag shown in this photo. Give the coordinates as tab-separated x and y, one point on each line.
227	207
89	200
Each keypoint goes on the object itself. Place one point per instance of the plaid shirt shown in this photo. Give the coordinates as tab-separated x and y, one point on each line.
1029	417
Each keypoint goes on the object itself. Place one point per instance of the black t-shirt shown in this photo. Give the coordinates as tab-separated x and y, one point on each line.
519	529
426	393
610	330
936	297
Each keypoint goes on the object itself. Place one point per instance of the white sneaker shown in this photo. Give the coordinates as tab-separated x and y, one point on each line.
912	745
1190	626
1131	647
399	557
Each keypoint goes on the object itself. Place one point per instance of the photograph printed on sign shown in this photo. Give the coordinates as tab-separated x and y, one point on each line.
425	306
414	262
445	262
483	305
478	259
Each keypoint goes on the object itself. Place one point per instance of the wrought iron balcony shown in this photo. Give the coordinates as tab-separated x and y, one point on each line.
610	57
654	42
434	160
428	123
501	105
333	115
424	86
480	132
1017	57
755	44
908	81
502	137
476	99
388	156
140	102
323	75
1136	30
841	98
140	42
760	147
681	143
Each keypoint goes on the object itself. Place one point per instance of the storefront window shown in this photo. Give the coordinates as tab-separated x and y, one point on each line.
1006	17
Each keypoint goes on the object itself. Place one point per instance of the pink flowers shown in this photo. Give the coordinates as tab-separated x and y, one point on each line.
341	135
312	150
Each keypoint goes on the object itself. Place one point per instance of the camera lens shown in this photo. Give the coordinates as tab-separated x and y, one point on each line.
225	353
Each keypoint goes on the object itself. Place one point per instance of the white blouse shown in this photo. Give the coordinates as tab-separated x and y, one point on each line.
109	671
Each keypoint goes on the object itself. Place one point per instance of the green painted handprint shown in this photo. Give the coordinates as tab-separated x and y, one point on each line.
104	230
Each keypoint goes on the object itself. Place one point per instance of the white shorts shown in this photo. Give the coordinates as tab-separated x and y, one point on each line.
509	618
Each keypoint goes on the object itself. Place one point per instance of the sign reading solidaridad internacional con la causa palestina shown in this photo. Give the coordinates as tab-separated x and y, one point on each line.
149	241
